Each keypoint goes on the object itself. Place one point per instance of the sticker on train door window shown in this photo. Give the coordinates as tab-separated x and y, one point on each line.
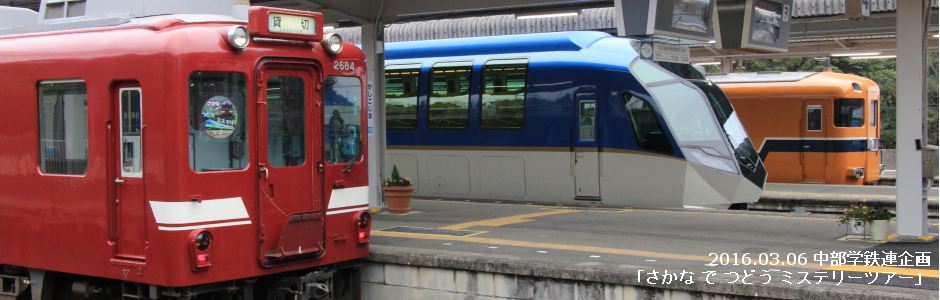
219	117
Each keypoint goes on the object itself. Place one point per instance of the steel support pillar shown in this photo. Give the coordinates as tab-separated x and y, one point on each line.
373	37
911	113
726	65
618	17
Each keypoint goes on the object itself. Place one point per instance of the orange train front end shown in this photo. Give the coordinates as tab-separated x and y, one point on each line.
811	127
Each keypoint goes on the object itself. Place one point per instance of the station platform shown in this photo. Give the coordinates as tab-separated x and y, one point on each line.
636	251
890	177
829	198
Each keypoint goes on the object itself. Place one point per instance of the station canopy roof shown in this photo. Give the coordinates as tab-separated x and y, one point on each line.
818	27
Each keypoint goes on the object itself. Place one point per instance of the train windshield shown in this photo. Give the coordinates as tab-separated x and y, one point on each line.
743	148
744	152
693	125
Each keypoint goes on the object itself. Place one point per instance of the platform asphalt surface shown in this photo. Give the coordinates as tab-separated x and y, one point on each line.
848	192
789	248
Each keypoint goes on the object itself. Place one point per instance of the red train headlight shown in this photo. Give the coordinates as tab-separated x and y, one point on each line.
362	221
333	43
202	240
237	37
199	242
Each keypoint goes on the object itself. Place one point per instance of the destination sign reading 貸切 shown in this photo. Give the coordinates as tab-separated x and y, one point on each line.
292	24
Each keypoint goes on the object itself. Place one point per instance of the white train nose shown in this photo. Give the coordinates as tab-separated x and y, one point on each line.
716	189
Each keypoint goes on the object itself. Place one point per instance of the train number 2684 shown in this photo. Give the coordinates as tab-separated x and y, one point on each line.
343	65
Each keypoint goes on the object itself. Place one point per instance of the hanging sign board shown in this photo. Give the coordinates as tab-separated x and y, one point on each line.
758	25
857	9
664	52
683	19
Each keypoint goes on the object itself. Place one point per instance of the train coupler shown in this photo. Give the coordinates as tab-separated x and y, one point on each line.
313	286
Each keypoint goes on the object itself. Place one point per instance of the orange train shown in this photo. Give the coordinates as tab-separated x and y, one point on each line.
812	127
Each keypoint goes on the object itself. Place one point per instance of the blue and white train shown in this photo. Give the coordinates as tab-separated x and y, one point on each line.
561	117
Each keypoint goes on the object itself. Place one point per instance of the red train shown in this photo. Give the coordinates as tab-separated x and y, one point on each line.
183	157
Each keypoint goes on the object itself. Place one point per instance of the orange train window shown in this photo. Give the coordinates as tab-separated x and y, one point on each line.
849	113
814	118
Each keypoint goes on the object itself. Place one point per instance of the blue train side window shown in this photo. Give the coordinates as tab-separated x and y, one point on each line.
849	113
449	98
63	127
646	127
503	98
401	96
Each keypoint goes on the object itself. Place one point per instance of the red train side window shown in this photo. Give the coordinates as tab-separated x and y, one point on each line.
63	127
218	133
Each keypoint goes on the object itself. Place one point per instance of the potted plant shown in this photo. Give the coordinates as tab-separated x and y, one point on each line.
856	217
879	224
398	192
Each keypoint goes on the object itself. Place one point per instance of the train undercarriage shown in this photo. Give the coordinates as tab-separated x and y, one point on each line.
334	282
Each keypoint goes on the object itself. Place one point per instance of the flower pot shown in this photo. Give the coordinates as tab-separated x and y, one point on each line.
879	230
857	226
398	198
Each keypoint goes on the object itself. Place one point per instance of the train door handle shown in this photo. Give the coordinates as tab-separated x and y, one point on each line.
265	171
118	180
579	155
807	147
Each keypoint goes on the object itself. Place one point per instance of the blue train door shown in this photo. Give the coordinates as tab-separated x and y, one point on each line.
586	177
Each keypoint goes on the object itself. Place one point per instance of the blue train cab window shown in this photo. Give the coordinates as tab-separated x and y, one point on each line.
849	113
401	96
343	116
647	130
286	125
503	100
63	127
218	131
649	73
449	97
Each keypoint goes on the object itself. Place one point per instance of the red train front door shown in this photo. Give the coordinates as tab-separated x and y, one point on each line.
129	201
290	180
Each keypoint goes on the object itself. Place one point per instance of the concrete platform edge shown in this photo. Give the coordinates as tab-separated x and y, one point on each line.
773	202
627	275
912	239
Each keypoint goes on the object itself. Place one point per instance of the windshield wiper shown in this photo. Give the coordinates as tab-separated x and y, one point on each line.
705	149
356	159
